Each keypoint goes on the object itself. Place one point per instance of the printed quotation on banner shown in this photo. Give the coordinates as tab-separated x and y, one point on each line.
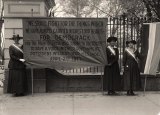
64	42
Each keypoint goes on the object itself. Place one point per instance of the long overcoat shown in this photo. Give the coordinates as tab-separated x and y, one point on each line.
17	80
112	79
131	76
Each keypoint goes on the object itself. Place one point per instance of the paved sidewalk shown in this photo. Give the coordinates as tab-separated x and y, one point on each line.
82	103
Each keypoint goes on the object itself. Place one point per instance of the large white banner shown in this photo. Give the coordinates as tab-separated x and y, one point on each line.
153	55
64	42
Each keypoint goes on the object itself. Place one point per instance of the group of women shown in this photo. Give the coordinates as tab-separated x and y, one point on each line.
17	84
112	80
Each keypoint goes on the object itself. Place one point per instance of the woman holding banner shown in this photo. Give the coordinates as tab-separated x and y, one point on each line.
112	80
131	70
17	74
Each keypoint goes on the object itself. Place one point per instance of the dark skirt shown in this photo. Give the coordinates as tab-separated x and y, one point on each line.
17	81
112	79
131	77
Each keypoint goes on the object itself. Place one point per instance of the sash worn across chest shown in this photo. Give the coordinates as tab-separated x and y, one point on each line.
17	48
131	54
112	50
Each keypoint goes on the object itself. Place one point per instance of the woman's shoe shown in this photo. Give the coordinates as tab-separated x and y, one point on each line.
132	93
18	94
114	93
128	92
109	93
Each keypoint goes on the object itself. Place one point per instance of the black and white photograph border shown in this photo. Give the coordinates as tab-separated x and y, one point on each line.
74	57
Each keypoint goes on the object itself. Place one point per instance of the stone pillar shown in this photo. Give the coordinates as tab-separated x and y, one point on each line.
14	11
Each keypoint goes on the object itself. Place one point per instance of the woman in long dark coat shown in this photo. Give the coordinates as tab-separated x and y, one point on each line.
112	80
17	71
131	75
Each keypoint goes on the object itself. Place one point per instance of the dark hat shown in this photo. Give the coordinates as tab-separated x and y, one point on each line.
112	39
16	36
131	41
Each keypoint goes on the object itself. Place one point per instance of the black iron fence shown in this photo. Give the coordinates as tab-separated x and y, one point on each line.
123	28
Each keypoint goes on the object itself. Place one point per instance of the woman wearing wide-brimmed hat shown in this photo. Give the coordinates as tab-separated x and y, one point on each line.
112	80
131	75
17	74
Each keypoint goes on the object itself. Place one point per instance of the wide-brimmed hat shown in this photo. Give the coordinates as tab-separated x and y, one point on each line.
131	41
16	37
112	39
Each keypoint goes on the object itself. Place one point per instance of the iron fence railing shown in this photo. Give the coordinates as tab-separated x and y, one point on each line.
123	28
